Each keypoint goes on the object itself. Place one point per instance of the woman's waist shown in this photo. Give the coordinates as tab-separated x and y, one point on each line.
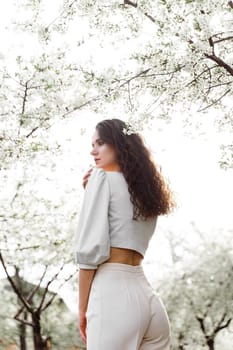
124	256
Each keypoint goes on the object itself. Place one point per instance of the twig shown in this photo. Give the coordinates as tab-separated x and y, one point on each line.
222	325
215	102
129	96
55	295
135	5
131	3
220	63
202	325
65	10
17	318
47	287
223	39
220	84
21	320
199	75
144	72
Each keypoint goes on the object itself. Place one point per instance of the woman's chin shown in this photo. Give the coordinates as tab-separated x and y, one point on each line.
99	166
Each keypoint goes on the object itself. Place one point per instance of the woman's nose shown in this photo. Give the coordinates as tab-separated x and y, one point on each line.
93	152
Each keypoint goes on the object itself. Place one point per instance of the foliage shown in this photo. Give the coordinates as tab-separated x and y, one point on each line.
142	59
200	296
37	230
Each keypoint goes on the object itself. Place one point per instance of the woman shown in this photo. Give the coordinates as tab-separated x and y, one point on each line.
124	195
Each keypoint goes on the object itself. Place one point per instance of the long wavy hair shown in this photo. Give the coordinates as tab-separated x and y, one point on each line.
149	192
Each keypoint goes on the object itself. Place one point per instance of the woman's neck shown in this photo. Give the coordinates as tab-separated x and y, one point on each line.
112	167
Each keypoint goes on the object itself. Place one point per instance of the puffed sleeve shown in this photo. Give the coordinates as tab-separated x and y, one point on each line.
92	243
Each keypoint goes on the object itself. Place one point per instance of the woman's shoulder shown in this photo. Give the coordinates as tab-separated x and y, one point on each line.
98	172
97	176
101	173
111	178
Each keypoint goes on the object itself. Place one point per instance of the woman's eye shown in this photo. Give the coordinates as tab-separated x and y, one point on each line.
100	143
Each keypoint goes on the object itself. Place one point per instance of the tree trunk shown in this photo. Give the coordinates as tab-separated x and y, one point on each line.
22	326
22	334
181	341
39	342
210	343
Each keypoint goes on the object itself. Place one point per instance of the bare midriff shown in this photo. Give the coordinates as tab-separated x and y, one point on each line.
124	256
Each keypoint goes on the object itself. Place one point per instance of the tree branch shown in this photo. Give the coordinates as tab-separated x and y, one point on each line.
198	76
108	92
221	325
14	287
144	72
225	325
202	325
35	128
135	5
19	185
150	17
47	288
33	292
55	295
25	97
32	132
131	3
220	62
29	300
129	97
223	39
220	84
21	320
61	14
24	101
215	102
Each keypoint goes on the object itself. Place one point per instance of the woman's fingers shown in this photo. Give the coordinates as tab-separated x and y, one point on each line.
86	176
83	336
82	329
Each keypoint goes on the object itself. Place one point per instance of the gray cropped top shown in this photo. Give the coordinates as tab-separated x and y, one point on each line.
106	220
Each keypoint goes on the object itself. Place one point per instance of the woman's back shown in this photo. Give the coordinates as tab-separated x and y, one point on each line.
106	221
126	232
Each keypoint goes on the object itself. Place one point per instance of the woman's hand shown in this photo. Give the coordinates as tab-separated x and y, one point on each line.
86	176
86	277
82	326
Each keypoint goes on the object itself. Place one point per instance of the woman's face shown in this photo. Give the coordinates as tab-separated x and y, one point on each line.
104	154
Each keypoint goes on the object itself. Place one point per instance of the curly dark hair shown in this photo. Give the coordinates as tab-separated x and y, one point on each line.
149	192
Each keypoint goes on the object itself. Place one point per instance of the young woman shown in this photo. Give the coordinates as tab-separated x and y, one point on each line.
124	195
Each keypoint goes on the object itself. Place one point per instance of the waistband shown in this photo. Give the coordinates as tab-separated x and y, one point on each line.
121	267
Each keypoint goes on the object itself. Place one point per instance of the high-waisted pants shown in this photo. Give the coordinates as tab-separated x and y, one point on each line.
123	312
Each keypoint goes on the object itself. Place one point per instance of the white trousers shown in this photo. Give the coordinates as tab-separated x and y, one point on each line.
123	312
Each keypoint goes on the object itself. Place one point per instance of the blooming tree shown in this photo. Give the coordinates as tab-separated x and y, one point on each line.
140	59
200	296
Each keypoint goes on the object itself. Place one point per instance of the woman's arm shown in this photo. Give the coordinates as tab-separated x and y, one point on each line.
85	282
92	241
